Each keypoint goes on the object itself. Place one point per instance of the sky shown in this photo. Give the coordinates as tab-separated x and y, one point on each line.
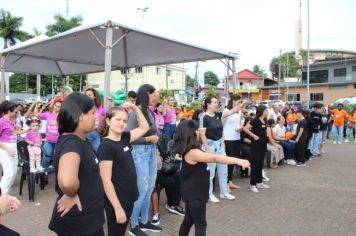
256	29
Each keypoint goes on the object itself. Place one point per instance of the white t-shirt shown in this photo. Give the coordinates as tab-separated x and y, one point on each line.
280	132
232	123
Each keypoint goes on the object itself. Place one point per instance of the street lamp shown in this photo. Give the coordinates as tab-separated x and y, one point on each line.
143	11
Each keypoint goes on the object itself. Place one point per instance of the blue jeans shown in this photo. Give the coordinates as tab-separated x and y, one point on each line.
217	147
338	130
314	144
323	134
330	127
169	130
349	132
288	148
94	139
144	157
47	156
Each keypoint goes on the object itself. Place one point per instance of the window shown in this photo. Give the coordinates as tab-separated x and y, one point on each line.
293	97
340	72
138	70
169	73
316	96
353	68
315	77
158	71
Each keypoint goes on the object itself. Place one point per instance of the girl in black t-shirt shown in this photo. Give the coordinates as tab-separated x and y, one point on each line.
195	175
117	169
257	130
79	208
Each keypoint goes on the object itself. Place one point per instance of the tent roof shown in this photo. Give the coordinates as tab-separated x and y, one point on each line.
82	50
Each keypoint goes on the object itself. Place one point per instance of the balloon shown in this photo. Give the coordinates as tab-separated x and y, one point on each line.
289	135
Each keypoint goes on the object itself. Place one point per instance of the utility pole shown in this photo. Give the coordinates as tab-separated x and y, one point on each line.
279	71
67	9
308	58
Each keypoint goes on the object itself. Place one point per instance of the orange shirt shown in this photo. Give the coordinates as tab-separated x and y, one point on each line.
352	118
339	117
291	118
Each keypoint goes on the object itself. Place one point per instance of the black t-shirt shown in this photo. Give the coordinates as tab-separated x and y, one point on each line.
302	124
90	192
324	121
243	136
315	121
259	128
195	181
213	125
123	167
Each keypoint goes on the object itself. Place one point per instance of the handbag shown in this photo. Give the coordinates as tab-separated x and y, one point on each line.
170	167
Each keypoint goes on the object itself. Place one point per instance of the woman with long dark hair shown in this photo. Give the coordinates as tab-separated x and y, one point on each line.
145	158
231	133
257	130
79	208
211	134
195	175
8	148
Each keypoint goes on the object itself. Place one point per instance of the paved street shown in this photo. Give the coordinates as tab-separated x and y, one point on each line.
319	199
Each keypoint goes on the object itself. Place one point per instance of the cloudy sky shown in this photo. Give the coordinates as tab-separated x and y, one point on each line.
256	29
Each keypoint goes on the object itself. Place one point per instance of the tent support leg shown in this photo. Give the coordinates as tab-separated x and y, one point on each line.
108	58
2	79
38	87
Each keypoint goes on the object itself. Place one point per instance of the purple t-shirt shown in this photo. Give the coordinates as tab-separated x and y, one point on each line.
100	113
52	126
170	117
34	137
7	128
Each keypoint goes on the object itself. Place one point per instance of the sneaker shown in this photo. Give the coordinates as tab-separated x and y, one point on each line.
346	141
33	170
150	227
291	162
227	196
338	142
264	176
136	231
334	142
156	219
254	189
213	199
301	164
176	210
262	185
40	168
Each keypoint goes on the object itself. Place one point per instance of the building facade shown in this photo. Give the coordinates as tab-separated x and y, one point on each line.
161	77
249	84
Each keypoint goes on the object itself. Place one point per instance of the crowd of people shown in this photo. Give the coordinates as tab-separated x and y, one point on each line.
110	161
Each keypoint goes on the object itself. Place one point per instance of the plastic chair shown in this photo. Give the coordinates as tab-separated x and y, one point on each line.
32	178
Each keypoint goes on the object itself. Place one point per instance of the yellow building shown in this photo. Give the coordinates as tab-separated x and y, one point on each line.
161	77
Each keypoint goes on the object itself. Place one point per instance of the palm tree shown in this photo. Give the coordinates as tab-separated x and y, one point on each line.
10	29
62	24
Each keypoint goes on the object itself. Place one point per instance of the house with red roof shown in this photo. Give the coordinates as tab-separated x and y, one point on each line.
249	84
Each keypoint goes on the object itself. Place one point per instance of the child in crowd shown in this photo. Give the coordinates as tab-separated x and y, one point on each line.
302	137
195	175
117	168
323	129
315	122
34	140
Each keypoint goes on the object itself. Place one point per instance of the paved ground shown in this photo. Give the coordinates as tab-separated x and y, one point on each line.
319	199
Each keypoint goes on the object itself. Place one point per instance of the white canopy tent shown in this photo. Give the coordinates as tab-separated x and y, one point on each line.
100	47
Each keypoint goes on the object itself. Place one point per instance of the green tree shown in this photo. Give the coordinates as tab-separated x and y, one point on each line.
258	69
62	24
211	78
36	32
190	82
292	65
10	29
212	92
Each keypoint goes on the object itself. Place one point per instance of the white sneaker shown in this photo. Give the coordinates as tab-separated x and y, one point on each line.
338	142
346	141
291	162
213	199
33	170
334	142
40	168
262	185
264	176
254	189
227	196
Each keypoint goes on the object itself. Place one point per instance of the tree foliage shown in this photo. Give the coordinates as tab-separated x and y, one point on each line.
292	66
258	69
10	29
210	78
190	82
212	93
62	24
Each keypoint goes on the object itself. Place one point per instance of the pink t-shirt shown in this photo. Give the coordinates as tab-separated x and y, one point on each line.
100	113
7	128
52	126
170	117
34	137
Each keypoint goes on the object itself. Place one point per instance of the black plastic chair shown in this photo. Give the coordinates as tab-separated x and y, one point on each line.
32	178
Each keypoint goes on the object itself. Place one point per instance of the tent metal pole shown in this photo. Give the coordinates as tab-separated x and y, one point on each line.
7	86
234	75
108	58
2	59
38	87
